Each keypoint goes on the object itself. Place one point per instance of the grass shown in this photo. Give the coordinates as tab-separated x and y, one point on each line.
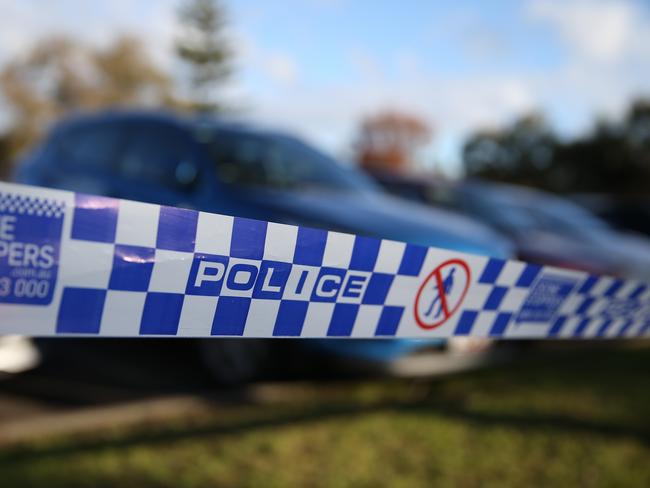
563	418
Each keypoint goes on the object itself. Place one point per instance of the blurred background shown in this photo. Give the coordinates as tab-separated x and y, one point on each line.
515	129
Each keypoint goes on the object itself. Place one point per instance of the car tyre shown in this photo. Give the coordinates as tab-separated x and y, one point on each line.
233	362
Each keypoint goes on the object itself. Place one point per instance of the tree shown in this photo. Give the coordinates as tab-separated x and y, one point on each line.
388	141
521	152
203	48
127	78
60	75
613	158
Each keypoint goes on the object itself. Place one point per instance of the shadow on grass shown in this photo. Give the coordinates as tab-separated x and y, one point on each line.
445	411
618	370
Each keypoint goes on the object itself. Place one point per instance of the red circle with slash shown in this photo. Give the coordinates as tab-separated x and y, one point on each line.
446	309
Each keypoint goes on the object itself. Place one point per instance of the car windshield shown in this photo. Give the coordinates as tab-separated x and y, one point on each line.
279	161
565	218
524	212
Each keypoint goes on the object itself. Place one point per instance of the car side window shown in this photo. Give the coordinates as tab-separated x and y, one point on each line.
242	159
161	155
92	146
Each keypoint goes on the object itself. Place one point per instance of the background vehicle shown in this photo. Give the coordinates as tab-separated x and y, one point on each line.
545	228
625	213
234	169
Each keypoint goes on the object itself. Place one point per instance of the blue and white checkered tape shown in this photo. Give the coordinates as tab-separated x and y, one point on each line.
73	264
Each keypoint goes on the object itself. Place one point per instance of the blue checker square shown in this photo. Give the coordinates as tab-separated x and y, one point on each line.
377	289
230	316
272	279
500	323
528	275
290	318
638	291
161	314
588	284
412	260
342	320
132	267
80	311
582	326
310	246
604	327
492	270
364	253
248	238
556	328
615	286
241	276
206	275
584	306
328	284
495	298
626	326
177	229
95	218
389	321
466	322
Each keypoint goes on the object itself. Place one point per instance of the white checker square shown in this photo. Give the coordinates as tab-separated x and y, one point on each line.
483	323
513	300
597	307
389	257
615	327
261	318
527	330
569	327
510	273
477	296
366	322
645	296
634	328
317	320
338	250
86	264
300	283
627	289
122	313
592	327
213	234
403	290
354	286
170	271
137	224
197	316
435	257
571	304
280	242
601	286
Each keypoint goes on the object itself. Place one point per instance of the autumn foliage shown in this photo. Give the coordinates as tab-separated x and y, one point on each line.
389	140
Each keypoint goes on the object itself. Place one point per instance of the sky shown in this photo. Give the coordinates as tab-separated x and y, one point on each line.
317	67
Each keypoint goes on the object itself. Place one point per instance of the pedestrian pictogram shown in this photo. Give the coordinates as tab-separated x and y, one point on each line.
441	293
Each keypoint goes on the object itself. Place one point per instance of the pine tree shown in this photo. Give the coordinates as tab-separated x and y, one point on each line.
203	48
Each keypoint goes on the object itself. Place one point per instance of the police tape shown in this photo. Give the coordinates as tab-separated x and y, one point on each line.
75	264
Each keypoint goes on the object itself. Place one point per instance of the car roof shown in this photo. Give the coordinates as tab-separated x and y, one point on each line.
183	120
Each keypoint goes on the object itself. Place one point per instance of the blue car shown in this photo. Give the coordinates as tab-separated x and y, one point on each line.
236	169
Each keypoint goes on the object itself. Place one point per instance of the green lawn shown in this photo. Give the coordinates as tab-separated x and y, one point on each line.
562	418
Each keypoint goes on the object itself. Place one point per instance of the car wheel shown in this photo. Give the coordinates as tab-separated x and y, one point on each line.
235	361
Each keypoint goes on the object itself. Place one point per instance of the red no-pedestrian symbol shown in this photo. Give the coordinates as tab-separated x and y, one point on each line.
441	293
